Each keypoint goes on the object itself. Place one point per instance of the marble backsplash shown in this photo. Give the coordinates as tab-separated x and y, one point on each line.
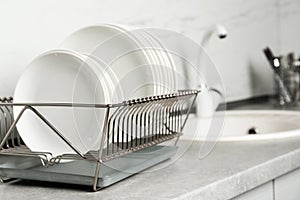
32	27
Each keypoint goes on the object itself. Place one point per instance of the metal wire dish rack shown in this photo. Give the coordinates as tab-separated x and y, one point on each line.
150	120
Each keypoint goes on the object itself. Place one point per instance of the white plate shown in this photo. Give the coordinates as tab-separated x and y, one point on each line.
61	76
160	61
168	82
6	121
120	52
155	64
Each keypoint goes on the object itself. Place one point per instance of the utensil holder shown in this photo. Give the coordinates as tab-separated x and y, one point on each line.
287	82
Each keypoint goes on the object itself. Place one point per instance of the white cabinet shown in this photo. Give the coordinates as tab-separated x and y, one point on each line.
264	192
287	187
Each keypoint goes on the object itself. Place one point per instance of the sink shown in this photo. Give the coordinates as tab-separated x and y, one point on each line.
265	124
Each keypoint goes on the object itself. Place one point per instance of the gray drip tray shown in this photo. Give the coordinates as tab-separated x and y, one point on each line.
83	172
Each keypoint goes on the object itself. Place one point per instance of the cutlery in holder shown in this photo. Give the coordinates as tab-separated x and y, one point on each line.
134	138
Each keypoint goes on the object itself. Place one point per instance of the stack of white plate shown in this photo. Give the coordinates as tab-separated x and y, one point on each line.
97	64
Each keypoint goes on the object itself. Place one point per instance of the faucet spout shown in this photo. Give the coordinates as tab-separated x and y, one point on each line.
218	29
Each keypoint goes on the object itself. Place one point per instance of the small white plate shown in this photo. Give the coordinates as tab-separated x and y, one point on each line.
61	77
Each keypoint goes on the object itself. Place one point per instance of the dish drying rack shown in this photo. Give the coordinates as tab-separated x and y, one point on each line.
151	121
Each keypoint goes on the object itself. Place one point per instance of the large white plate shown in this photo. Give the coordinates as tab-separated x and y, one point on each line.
61	76
166	65
160	61
120	54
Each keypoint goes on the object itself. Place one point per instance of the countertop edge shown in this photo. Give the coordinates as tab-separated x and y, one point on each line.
244	181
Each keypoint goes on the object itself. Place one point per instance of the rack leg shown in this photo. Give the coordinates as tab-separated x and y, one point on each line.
99	161
7	180
96	178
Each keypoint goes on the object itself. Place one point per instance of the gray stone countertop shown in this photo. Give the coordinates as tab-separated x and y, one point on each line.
229	170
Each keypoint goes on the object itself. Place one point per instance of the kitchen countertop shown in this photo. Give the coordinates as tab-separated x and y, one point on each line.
231	168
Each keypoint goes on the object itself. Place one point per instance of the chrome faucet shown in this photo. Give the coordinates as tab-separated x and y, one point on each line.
211	95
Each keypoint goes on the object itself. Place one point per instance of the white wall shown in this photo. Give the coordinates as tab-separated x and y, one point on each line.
289	26
31	27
